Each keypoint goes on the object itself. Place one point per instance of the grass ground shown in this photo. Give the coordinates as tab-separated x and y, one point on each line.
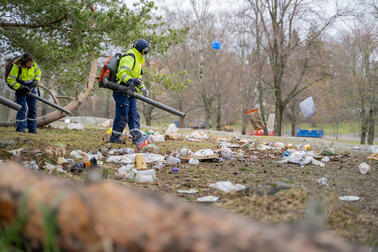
357	221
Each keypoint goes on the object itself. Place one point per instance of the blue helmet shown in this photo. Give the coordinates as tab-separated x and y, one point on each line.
142	46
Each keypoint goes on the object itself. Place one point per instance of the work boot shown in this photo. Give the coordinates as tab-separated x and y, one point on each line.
33	132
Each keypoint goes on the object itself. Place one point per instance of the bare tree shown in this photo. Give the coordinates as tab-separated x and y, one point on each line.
281	21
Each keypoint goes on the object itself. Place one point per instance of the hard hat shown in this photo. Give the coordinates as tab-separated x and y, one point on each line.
142	46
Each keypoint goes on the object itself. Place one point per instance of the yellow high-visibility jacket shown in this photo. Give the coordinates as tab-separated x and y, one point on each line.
125	67
27	75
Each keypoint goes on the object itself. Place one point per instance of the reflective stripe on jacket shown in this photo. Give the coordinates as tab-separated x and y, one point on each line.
125	68
27	75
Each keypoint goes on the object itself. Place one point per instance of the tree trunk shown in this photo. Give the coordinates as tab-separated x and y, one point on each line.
279	118
44	106
208	106
94	217
371	122
244	122
364	128
261	104
148	114
73	105
219	113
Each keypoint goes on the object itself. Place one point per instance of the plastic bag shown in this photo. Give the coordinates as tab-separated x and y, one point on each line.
308	107
227	186
255	119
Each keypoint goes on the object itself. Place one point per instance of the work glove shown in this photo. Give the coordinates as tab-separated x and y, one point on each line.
34	84
23	89
132	82
144	91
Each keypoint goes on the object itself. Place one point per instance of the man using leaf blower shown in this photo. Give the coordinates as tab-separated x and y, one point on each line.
129	75
24	76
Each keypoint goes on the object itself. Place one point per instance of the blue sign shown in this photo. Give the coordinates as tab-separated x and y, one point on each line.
216	45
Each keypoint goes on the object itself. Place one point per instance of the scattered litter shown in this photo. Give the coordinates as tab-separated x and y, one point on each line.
194	161
51	167
173	160
349	198
79	154
129	158
198	134
323	181
307	147
120	151
172	129
255	119
209	198
307	107
203	153
144	176
374	149
286	154
226	152
97	156
156	138
107	123
76	126
67	120
190	191
185	151
31	164
150	147
227	186
175	169
355	148
230	145
364	168
325	159
158	166
317	162
290	146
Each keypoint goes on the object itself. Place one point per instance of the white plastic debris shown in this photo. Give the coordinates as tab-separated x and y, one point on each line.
226	152
199	134
120	151
67	120
158	166
185	151
173	160
302	158
16	152
172	129
130	158
194	161
76	126
230	145
79	154
190	191
308	107
203	153
374	149
31	164
156	138
49	166
209	198
349	198
227	186
364	168
325	159
97	156
144	176
323	181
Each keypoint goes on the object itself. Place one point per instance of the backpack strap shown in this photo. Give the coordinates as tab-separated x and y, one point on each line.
133	56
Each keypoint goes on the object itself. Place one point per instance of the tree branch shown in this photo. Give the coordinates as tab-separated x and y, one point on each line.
33	26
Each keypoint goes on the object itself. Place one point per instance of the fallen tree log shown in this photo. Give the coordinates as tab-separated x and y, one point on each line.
71	106
104	216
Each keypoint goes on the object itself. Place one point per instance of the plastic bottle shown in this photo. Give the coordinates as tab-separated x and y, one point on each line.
81	166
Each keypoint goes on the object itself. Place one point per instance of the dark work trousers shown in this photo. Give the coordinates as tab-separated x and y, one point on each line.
126	113
27	116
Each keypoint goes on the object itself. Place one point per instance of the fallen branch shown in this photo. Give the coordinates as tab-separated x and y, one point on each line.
104	215
50	93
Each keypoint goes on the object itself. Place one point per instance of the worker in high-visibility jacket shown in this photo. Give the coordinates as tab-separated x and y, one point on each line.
24	77
129	75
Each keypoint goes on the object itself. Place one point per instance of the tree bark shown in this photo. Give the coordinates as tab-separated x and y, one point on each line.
105	216
371	122
73	105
